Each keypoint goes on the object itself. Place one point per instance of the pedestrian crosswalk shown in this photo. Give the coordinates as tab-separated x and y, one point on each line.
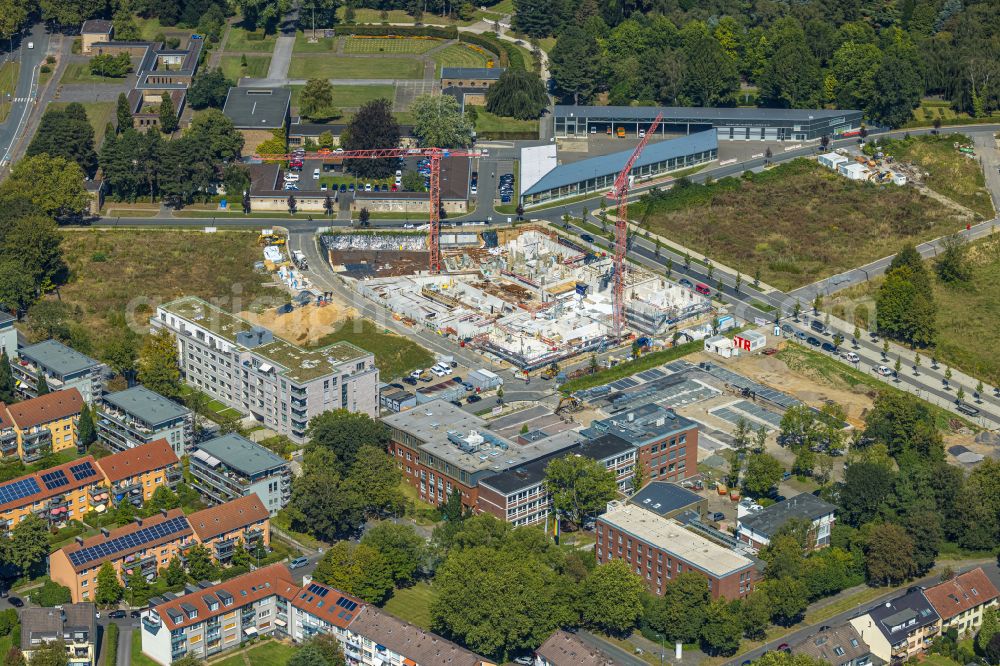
22	99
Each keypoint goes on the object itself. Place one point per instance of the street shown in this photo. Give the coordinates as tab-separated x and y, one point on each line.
25	94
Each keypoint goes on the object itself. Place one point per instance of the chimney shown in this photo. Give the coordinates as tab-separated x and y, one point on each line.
138	521
79	540
163	512
105	532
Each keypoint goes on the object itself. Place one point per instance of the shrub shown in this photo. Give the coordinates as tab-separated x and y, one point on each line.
98	257
45	69
52	594
112	642
51	60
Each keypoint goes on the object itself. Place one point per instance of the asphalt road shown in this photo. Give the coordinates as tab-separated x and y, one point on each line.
26	91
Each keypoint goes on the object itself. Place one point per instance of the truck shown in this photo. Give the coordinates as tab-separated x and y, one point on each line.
550	372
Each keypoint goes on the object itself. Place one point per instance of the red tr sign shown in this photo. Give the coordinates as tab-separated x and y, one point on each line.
741	343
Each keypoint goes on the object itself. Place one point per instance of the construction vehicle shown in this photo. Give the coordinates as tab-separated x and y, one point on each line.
569	404
550	372
620	132
268	237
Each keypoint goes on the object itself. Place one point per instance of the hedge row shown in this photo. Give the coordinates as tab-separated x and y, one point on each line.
112	645
491	44
449	32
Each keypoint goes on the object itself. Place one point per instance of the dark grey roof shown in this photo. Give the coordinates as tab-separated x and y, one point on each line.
58	359
148	406
241	454
47	624
640	425
769	521
488	73
596	167
902	615
663	498
258	108
834	645
96	26
604	447
6	320
695	113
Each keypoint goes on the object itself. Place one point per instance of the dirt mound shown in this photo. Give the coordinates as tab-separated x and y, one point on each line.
304	325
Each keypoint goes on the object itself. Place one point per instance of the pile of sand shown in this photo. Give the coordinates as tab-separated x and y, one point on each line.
304	325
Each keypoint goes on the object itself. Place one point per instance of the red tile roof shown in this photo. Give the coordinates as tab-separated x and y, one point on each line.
961	593
229	517
43	492
140	523
45	409
5	421
328	604
138	460
245	589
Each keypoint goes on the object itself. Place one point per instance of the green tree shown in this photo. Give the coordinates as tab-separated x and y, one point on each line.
173	573
35	243
989	628
54	185
709	75
16	289
116	66
13	14
377	479
168	115
413	181
373	126
722	630
788	597
898	87
680	613
864	491
307	655
66	133
904	424
951	265
7	385
328	647
763	472
86	431
158	364
29	544
316	101
783	658
356	569
209	90
791	77
574	63
580	486
52	594
888	555
200	565
42	385
50	653
404	551
342	433
109	589
324	506
620	592
138	589
261	13
518	93
438	122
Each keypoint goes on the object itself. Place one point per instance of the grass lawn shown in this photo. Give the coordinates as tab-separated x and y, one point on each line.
138	658
321	45
546	43
397	16
924	115
390	45
256	67
98	113
629	368
271	652
239	40
488	122
340	67
395	356
112	271
351	96
282	522
952	174
938	660
218	410
796	223
8	83
413	604
79	72
458	55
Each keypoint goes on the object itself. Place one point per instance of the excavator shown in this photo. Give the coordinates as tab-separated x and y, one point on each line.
270	239
569	404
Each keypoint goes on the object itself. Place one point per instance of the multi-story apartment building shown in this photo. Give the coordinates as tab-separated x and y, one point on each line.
266	602
148	544
757	529
8	336
247	368
440	447
565	649
43	425
519	496
961	600
666	443
133	475
841	646
899	629
62	367
137	416
231	466
57	495
660	548
221	528
73	624
8	435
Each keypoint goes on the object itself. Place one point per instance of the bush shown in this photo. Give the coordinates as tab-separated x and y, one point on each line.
174	42
8	620
491	44
45	69
50	60
98	257
233	572
52	594
112	643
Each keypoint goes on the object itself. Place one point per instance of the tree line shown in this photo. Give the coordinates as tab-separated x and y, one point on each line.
880	58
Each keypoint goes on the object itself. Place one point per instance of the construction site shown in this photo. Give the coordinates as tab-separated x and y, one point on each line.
524	295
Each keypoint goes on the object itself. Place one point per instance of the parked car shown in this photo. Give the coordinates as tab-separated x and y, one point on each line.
343	187
716	516
812	341
850	357
15	602
135	614
410	380
818	326
587	238
472	398
966	408
298	562
828	347
322	187
684	282
800	335
884	371
315	174
117	614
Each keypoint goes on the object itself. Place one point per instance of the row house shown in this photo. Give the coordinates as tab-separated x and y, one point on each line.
214	618
961	600
148	544
34	428
63	368
137	416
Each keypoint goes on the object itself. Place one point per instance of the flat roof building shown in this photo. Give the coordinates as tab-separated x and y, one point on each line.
137	416
470	77
669	500
597	174
757	529
231	466
73	624
730	123
257	113
63	368
248	368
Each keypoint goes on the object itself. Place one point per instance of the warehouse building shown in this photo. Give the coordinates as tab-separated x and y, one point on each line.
597	174
730	124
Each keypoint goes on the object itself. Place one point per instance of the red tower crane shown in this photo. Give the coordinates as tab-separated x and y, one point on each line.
434	154
619	191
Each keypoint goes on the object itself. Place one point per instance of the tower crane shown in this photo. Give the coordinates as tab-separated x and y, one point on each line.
433	154
619	191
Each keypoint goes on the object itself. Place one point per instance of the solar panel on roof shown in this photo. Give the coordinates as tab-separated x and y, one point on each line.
56	479
347	604
318	590
83	471
18	490
131	541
